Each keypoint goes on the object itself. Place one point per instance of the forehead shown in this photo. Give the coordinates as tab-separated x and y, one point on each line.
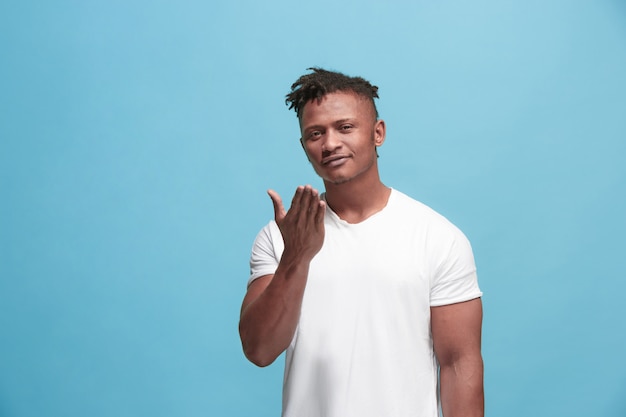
337	105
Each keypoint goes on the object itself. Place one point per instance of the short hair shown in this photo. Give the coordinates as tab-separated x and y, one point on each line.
321	82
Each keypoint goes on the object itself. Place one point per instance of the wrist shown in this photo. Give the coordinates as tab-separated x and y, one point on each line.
293	263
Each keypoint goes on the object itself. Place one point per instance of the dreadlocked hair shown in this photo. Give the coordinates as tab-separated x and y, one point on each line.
321	82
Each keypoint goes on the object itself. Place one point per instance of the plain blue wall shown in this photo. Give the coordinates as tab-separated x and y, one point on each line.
137	139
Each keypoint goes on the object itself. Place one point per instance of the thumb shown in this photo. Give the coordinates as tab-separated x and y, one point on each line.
279	209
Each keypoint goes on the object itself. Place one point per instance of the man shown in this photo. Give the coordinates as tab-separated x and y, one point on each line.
373	295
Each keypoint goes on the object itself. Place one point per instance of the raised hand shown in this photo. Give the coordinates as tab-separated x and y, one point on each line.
302	226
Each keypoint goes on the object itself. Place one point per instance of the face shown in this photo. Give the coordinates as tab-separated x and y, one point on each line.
340	135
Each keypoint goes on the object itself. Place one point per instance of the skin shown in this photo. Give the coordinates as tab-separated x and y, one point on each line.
456	330
339	136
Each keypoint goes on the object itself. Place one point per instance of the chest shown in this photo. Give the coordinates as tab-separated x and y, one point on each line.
368	275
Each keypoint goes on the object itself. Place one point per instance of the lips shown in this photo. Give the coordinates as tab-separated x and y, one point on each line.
334	160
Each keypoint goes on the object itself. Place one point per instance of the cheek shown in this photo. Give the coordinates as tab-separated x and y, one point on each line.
310	148
309	151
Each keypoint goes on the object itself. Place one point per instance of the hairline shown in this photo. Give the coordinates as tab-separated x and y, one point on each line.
351	91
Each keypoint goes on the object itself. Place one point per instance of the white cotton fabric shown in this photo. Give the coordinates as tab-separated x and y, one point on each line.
363	345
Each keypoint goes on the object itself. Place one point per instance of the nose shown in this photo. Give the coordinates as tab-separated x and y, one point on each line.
332	142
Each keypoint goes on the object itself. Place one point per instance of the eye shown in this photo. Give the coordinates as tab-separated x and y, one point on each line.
315	134
345	128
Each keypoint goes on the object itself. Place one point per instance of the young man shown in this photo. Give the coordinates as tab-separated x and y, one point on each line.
373	295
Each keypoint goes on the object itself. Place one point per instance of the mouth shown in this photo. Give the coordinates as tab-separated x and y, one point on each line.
334	160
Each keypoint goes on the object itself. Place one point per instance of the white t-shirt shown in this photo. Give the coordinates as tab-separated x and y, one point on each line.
363	345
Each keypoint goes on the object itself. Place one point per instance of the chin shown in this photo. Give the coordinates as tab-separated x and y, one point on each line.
336	180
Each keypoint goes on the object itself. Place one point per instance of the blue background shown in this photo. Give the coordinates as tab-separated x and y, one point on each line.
138	139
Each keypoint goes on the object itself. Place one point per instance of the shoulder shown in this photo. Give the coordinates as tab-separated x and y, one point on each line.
266	251
439	237
400	199
268	240
268	232
412	210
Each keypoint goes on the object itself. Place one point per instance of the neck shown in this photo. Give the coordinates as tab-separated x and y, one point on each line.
358	199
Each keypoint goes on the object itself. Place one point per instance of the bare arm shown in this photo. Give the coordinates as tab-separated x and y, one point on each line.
271	308
456	330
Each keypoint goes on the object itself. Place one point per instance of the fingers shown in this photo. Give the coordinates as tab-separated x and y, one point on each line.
279	208
319	215
302	226
296	201
306	201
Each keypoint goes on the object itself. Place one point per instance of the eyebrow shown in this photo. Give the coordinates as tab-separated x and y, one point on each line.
336	122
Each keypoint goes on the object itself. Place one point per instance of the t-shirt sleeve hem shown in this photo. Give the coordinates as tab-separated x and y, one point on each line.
455	300
259	274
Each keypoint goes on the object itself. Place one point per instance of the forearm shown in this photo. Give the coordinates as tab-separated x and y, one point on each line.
268	323
461	387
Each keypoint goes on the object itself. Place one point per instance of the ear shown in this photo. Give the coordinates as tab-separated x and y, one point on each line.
379	132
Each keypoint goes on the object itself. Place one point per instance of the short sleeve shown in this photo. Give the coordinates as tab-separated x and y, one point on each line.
455	279
266	252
